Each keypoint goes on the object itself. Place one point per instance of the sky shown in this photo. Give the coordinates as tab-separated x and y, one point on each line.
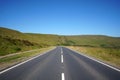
62	17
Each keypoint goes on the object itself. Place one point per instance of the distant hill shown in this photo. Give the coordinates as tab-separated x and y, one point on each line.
14	41
95	40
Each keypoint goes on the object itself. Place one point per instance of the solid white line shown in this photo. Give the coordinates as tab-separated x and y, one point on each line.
23	62
98	61
63	76
103	63
61	58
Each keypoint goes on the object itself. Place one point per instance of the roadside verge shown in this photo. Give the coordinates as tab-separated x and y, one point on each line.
8	61
100	54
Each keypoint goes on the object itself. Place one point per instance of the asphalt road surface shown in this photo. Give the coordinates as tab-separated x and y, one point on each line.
61	64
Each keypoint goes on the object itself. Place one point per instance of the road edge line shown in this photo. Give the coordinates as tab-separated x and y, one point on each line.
1	72
96	60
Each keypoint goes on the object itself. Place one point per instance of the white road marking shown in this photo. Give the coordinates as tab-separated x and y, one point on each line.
61	58
103	63
61	51
63	76
98	61
23	62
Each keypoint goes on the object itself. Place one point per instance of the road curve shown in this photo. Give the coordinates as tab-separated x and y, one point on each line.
61	64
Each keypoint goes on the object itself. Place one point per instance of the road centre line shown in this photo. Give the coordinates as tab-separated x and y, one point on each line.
61	51
61	58
63	76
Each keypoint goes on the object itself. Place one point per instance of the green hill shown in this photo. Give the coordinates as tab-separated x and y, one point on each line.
12	41
95	41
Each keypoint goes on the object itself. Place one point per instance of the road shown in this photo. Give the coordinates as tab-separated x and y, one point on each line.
61	64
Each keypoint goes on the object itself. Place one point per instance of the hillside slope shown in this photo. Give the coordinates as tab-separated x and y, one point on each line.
13	41
95	40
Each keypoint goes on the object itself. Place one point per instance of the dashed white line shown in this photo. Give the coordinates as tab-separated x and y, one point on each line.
61	55
61	51
63	76
61	58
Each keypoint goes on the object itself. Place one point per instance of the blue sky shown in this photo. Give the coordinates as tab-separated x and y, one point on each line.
63	17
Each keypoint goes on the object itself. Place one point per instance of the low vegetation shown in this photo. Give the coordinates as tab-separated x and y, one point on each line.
17	58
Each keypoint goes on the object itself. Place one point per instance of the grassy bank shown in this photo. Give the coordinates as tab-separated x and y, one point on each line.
108	55
14	59
12	41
